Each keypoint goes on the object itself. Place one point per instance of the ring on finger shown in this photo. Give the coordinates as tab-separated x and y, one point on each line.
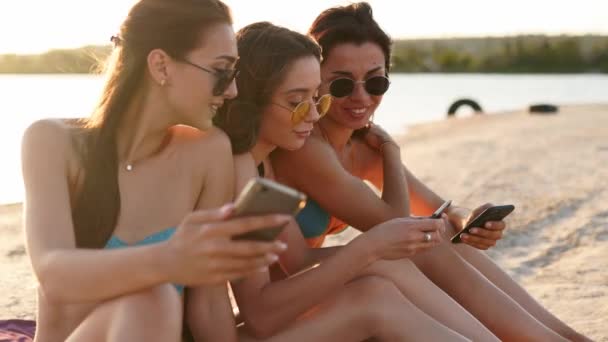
427	237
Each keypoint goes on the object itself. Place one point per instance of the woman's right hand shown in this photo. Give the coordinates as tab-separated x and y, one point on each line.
404	237
202	252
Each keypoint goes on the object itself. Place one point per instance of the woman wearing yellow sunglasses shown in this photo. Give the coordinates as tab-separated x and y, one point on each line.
277	105
345	149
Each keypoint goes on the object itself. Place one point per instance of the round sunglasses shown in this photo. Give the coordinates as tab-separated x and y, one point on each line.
376	86
223	77
301	110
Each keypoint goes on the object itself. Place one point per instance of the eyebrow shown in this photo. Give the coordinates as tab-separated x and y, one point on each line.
297	90
231	59
348	73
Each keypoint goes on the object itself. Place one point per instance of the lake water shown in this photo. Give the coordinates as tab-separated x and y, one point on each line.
412	98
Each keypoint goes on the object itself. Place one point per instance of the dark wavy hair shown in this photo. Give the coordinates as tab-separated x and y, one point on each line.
266	52
174	26
350	24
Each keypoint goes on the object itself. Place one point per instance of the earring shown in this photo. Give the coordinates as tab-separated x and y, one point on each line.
162	82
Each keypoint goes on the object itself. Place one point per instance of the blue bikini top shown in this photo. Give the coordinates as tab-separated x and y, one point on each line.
115	242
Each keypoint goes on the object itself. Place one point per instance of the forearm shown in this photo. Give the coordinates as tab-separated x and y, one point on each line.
422	199
314	256
86	275
395	184
280	303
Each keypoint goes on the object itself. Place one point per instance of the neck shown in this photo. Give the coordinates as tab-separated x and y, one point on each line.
261	151
336	135
143	130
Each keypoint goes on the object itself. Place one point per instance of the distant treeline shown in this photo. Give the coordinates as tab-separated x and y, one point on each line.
519	54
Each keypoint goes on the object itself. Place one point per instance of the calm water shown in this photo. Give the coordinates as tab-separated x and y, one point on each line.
413	98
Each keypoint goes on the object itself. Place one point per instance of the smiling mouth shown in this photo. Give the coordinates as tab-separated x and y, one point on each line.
214	108
302	133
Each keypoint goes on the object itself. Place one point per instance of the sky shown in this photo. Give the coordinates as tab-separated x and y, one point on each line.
34	26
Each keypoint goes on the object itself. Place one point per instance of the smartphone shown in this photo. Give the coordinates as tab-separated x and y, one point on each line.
441	209
262	196
495	213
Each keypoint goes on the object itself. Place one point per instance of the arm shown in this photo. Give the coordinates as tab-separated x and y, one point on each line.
267	307
300	255
65	273
339	192
208	308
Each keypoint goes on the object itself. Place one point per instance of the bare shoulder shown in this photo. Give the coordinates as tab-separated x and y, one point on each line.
204	148
211	138
47	136
315	149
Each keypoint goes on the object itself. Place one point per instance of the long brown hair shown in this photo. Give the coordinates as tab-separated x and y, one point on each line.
174	26
265	53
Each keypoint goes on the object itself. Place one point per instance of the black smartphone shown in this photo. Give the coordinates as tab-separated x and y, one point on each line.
262	196
441	209
495	213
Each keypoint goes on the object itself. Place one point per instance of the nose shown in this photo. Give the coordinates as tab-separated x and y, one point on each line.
359	93
313	114
231	91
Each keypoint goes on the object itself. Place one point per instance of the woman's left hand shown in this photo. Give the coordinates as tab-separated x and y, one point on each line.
479	237
376	137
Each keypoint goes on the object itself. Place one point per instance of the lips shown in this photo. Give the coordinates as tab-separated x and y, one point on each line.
356	113
303	134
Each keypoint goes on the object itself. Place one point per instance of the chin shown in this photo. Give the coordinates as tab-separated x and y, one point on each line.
293	146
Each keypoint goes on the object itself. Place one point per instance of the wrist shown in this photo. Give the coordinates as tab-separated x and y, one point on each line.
161	263
365	247
389	145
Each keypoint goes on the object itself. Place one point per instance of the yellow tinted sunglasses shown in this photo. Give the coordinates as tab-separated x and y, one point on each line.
301	110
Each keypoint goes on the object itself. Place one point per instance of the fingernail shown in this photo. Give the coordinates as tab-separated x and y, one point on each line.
282	245
226	208
272	257
464	237
488	225
262	269
281	218
475	231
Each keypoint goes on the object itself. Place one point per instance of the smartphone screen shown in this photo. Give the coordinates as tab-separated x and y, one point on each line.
495	213
263	197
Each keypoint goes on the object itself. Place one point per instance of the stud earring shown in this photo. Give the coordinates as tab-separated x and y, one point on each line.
163	82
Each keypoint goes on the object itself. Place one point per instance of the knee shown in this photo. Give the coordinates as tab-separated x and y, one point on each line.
382	307
159	306
375	296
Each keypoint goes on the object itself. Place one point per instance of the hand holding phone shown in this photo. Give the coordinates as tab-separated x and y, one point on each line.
262	196
494	213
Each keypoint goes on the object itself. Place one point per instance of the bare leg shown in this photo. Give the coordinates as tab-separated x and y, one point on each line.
502	280
423	293
368	307
495	309
151	315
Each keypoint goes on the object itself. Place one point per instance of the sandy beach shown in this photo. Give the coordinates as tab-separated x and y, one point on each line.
553	168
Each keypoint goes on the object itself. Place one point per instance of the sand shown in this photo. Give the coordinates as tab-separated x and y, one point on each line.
553	168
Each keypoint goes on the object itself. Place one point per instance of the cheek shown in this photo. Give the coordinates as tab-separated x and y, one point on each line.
277	128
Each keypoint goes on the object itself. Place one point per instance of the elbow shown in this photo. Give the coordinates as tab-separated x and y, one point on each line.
50	283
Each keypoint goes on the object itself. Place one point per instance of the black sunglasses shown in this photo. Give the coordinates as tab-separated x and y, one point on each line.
377	85
224	77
